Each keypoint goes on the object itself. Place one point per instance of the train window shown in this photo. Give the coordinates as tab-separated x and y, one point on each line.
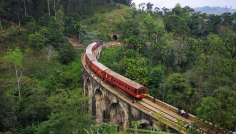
140	91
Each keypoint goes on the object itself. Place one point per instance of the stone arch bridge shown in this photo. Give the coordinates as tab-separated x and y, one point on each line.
108	104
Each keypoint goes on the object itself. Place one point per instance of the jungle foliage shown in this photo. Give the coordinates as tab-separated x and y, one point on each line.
40	69
185	58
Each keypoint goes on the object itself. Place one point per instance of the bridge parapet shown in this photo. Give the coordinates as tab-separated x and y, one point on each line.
169	107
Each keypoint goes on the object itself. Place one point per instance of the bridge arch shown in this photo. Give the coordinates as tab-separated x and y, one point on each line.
88	87
100	104
144	124
88	92
118	115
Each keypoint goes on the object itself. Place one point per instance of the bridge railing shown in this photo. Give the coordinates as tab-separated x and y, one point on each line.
169	107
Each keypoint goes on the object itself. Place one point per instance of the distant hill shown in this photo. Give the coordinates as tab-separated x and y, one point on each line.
214	10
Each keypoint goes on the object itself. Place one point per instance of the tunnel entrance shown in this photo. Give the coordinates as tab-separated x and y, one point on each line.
114	37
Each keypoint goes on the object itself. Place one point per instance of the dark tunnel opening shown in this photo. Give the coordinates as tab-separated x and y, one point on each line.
114	37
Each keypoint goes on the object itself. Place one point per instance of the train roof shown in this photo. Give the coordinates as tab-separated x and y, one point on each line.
124	79
91	57
99	65
89	48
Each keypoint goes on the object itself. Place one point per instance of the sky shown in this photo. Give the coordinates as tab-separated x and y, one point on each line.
190	3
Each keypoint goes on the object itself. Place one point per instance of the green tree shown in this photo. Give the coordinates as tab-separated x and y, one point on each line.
10	34
177	10
104	128
67	53
37	41
80	29
67	115
176	24
136	70
156	76
8	115
176	91
149	7
208	109
215	45
59	18
227	19
134	124
151	27
133	42
15	58
219	110
111	57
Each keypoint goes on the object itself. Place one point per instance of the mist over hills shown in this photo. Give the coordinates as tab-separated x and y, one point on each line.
214	10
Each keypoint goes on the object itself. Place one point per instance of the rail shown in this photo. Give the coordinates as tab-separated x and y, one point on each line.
170	120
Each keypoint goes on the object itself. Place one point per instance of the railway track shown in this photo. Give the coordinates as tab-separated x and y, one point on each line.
149	107
163	116
168	114
143	104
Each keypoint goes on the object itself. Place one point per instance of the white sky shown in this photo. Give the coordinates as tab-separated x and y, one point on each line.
190	3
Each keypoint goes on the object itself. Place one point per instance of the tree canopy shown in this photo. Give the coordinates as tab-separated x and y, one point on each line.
185	58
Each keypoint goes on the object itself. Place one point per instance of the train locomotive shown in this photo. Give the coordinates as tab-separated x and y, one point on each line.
129	86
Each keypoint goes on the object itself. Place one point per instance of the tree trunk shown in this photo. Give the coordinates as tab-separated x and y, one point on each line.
55	10
18	78
67	6
0	23
25	8
18	14
48	8
156	37
76	5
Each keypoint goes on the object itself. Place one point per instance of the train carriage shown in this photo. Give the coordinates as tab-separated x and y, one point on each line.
99	68
131	87
94	46
91	47
89	58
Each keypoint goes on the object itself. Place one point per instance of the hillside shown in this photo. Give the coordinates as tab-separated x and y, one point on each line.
214	10
185	59
40	83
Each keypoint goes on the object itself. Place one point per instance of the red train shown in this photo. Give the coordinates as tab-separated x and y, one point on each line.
133	88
